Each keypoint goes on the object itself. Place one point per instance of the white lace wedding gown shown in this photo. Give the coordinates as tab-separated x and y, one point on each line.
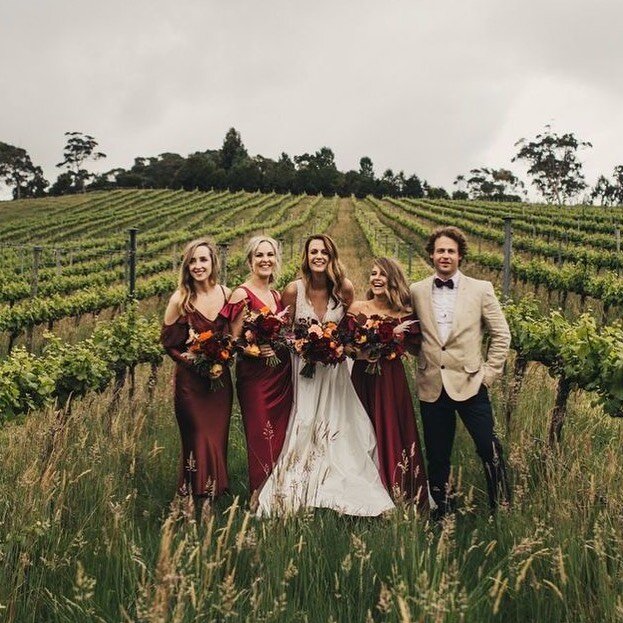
329	455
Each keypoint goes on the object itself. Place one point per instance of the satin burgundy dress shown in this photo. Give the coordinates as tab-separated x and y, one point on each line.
203	416
387	399
265	397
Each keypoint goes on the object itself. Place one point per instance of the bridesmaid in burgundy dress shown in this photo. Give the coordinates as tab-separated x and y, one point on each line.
264	392
386	397
202	415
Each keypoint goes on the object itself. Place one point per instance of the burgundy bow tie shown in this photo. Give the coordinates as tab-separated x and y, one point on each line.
440	283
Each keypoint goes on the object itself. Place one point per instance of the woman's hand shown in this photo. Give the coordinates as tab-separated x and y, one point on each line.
266	351
351	351
355	353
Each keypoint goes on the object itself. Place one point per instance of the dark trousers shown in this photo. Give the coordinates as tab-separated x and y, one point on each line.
439	419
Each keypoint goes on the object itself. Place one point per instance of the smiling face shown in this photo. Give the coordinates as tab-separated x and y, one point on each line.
446	257
378	281
263	260
200	264
317	256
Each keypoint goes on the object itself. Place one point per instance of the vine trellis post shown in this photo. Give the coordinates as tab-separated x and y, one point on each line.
617	235
132	262
508	249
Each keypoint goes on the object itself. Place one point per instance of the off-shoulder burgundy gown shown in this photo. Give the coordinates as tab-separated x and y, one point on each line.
265	397
203	416
387	399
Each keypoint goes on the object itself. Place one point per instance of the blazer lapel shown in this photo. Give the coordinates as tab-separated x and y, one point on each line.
428	309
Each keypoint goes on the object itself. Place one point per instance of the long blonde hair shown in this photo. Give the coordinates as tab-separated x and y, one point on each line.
336	275
252	246
185	282
398	294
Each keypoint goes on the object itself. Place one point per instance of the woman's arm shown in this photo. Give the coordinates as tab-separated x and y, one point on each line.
172	312
288	299
348	293
174	334
356	307
235	324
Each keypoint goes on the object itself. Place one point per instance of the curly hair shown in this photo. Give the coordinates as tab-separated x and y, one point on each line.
454	233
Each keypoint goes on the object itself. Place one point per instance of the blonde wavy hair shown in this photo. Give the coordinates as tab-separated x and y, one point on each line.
397	287
336	275
252	246
185	282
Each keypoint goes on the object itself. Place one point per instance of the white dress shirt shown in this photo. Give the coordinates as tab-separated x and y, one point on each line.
444	301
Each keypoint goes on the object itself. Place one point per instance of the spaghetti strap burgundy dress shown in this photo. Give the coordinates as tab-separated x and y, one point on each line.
387	399
265	397
203	415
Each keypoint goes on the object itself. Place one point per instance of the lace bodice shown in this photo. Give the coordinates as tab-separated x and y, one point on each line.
304	308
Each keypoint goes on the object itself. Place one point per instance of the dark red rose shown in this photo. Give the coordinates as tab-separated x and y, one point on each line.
386	332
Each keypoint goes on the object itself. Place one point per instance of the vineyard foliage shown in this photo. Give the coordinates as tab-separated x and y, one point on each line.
583	354
579	353
67	257
91	528
62	371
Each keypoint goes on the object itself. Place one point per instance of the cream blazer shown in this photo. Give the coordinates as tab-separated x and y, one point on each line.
458	365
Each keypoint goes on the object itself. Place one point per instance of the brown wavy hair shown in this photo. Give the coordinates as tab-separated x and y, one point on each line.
336	275
454	233
252	246
185	282
397	287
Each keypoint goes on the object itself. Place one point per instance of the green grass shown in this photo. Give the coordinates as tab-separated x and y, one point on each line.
90	530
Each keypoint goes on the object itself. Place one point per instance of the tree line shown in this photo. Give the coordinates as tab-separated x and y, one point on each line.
230	167
553	164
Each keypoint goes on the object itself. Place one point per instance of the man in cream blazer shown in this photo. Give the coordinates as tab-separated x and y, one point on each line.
453	377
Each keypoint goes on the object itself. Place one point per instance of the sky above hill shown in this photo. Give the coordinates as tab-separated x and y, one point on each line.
429	87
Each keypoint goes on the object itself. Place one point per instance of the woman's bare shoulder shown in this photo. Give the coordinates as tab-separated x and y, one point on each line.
172	312
357	307
239	294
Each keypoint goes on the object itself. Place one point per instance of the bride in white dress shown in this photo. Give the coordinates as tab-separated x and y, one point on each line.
329	455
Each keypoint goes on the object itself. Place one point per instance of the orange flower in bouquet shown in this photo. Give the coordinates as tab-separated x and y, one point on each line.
210	352
263	328
380	337
317	343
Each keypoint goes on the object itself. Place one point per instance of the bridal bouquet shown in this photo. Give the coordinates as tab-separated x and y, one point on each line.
263	328
210	353
317	343
380	337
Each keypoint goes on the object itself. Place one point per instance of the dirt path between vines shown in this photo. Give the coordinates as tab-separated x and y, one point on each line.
353	247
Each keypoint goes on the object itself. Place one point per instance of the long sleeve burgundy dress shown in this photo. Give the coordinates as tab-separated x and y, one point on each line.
203	415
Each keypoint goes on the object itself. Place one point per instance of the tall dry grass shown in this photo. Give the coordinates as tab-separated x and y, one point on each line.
90	530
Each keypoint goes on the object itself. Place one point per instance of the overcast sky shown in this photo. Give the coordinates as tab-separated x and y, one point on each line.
433	87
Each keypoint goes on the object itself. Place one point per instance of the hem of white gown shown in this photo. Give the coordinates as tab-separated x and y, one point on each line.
277	510
328	459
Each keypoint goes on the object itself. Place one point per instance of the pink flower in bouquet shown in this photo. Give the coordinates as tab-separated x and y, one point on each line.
317	343
316	330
